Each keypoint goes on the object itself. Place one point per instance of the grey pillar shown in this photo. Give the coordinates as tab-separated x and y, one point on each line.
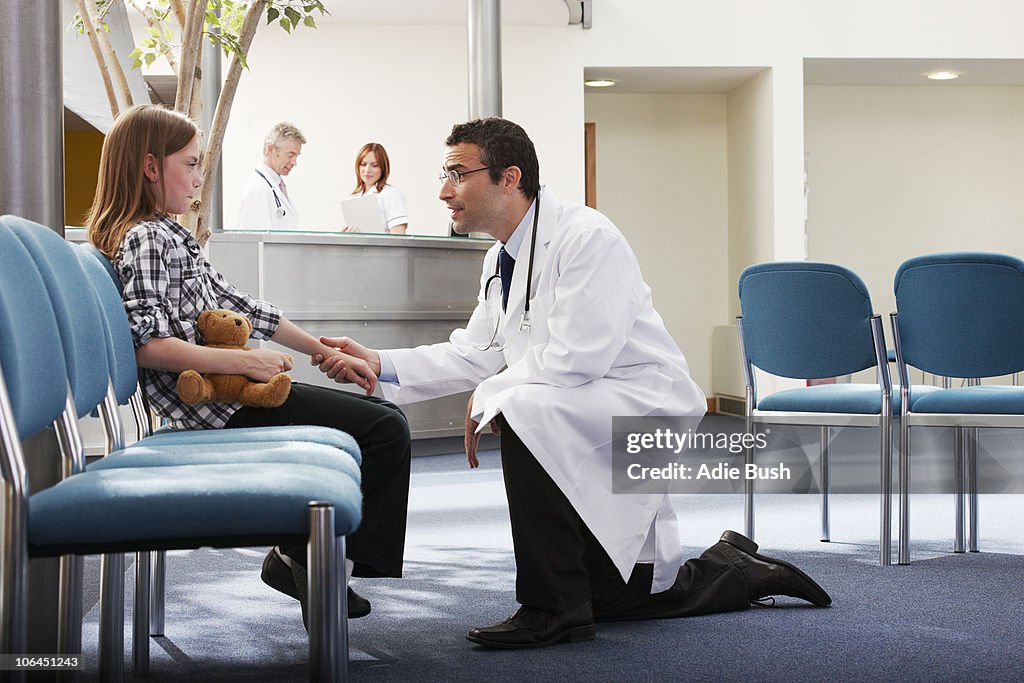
211	93
32	112
484	32
32	186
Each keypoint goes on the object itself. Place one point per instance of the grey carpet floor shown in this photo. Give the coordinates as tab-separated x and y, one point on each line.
944	617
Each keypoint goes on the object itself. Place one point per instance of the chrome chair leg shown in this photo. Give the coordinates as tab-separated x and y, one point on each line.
748	489
140	618
885	513
69	618
324	612
958	495
825	484
112	617
972	488
904	532
158	580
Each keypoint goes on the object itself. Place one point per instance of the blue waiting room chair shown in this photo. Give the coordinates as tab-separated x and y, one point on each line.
807	320
109	511
959	315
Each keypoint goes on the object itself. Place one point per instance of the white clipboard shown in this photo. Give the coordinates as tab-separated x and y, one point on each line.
364	213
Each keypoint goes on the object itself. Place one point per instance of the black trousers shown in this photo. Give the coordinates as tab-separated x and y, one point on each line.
560	565
382	432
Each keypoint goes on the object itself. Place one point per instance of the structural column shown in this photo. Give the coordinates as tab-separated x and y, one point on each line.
484	32
32	112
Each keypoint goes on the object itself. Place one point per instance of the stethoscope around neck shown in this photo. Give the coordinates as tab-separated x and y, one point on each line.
280	211
524	320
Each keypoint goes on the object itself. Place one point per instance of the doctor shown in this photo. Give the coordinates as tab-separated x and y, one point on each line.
265	201
564	337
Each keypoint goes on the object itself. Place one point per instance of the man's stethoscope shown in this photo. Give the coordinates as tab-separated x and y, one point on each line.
492	304
280	213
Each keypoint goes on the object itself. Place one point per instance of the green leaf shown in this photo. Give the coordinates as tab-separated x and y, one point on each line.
293	16
285	24
308	21
149	59
272	14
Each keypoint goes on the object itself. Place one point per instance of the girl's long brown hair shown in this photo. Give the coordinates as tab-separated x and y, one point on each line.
382	160
123	194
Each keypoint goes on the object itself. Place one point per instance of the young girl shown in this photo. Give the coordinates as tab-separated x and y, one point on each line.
149	172
372	170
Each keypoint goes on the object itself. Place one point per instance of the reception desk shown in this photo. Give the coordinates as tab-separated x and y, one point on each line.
386	291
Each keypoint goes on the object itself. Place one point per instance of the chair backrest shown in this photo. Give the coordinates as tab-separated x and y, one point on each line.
31	357
83	337
124	372
806	320
962	314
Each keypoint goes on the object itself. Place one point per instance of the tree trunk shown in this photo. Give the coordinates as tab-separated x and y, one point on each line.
110	57
190	42
90	34
220	116
178	8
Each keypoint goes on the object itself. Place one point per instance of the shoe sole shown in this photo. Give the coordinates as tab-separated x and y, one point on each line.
573	635
818	595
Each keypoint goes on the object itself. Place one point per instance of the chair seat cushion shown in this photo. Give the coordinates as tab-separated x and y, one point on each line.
857	399
311	434
199	452
154	507
981	400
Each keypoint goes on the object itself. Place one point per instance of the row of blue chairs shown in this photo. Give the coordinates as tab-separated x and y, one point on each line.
959	315
65	351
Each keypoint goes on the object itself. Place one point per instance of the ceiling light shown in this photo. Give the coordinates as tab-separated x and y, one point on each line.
942	75
599	83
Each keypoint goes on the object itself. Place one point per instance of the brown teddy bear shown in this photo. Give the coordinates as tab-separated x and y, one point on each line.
223	329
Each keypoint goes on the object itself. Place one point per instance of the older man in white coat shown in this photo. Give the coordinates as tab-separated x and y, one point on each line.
565	337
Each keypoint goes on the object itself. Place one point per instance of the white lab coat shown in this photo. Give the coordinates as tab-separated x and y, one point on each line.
259	210
596	349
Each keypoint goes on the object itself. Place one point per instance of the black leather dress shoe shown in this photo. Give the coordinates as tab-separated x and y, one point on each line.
534	627
768	576
289	577
358	606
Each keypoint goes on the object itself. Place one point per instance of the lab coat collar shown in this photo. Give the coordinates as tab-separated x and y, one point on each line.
549	211
270	174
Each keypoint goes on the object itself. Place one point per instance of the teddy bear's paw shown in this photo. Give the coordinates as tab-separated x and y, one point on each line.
277	390
192	388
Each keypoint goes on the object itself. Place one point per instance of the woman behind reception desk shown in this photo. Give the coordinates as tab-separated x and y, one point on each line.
372	170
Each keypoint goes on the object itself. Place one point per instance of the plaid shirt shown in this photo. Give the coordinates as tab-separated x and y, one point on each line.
167	284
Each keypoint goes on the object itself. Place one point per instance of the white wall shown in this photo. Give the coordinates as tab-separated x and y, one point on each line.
406	104
661	170
895	172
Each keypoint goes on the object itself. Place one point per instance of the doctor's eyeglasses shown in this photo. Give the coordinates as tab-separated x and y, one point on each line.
492	304
455	177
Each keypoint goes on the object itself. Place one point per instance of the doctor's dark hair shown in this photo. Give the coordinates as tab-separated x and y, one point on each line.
502	144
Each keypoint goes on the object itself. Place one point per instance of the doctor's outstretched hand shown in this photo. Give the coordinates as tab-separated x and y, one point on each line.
345	366
472	439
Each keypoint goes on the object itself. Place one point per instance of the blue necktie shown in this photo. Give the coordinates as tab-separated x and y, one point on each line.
506	264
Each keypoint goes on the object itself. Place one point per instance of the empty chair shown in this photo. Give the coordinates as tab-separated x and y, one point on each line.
808	321
142	508
959	315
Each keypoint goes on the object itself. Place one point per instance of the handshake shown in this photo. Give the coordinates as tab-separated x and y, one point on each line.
347	361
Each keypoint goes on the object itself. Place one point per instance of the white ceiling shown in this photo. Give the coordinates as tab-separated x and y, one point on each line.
530	12
670	79
974	72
